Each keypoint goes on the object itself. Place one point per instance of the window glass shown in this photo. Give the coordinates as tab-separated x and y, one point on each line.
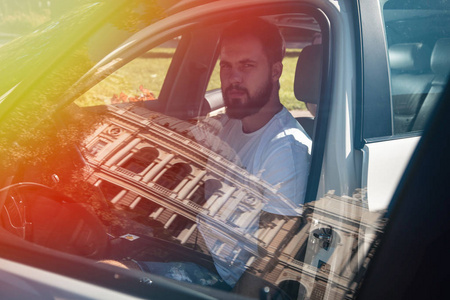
191	195
418	40
139	80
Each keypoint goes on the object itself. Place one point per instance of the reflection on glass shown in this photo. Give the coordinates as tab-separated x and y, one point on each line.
212	210
164	196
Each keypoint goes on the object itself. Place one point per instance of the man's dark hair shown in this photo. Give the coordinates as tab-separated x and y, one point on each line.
266	32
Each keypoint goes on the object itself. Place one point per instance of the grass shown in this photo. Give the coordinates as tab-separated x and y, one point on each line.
22	22
287	96
146	72
149	72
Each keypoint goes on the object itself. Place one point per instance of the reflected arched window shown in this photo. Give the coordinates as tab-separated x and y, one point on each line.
294	289
205	190
174	175
141	160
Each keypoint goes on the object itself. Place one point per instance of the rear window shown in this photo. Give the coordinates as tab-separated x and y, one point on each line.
418	40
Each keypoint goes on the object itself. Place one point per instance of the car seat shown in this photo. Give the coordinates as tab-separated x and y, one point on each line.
440	65
307	82
410	82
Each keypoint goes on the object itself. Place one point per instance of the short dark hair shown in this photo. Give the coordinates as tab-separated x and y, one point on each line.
267	33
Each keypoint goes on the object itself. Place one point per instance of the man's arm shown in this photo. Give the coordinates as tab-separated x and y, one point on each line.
286	167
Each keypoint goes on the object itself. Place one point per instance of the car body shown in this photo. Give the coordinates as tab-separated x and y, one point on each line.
99	110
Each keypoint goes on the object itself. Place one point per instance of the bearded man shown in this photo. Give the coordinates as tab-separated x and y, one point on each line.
268	141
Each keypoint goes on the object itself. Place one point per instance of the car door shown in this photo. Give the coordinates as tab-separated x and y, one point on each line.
397	95
128	144
421	195
138	168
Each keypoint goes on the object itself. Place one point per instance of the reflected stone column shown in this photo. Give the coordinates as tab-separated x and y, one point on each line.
254	214
156	213
273	232
120	163
158	168
170	221
118	196
209	202
191	185
181	185
188	234
231	205
135	202
221	201
122	152
250	261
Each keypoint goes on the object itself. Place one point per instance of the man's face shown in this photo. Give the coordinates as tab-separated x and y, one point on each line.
245	75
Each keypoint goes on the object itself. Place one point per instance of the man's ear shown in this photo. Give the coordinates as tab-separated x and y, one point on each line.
277	69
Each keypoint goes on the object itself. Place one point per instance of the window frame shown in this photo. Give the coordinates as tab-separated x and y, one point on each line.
374	120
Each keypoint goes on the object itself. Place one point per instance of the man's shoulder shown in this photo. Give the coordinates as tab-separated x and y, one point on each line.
286	129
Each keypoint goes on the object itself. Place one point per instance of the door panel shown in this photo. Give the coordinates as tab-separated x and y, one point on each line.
383	166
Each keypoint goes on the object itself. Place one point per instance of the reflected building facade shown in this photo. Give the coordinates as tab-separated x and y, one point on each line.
151	164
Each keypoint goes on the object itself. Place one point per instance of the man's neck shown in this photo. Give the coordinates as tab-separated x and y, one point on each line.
262	117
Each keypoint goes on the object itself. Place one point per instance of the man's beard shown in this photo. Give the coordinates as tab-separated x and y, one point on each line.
236	109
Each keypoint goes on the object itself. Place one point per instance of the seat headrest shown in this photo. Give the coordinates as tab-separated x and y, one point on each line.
440	58
409	57
308	74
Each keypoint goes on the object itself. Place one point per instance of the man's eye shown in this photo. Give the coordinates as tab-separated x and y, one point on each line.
249	66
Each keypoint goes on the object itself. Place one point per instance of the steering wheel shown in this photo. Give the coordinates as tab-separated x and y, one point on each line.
48	218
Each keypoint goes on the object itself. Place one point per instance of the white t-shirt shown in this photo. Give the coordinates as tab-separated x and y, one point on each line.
279	153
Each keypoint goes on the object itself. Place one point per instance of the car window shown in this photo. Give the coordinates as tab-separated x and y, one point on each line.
148	170
417	39
139	80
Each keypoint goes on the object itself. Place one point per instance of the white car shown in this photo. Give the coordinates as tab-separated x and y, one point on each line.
102	165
